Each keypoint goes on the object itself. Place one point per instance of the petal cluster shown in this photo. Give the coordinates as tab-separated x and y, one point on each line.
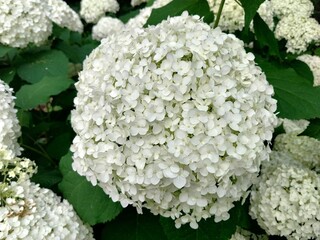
286	200
29	212
106	26
232	17
59	12
30	21
93	10
9	124
173	118
37	213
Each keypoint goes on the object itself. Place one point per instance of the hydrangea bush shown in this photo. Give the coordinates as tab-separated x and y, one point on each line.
159	119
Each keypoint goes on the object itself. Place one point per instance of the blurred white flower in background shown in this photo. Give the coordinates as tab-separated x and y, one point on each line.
105	27
30	21
93	10
137	2
60	13
285	202
173	118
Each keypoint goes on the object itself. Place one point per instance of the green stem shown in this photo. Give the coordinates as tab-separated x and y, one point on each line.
216	22
42	153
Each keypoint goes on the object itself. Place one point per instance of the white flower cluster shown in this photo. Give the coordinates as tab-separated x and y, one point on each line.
303	148
286	200
299	31
232	17
93	10
24	22
59	12
106	26
141	19
137	2
314	64
242	234
282	8
173	118
37	213
29	212
109	25
294	126
14	169
295	24
9	124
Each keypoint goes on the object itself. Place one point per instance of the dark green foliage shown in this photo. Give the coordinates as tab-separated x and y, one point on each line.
177	7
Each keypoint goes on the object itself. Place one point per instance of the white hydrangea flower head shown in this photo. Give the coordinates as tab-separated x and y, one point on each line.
137	2
23	22
93	10
283	8
242	234
298	31
173	118
314	64
14	168
232	17
285	202
303	148
294	126
59	12
140	20
105	27
34	213
10	129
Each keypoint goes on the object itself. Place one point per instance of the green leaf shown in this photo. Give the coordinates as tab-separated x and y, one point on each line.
208	229
76	53
303	70
30	96
47	177
90	202
60	145
144	226
24	118
126	17
7	74
250	9
297	98
265	36
177	7
313	129
46	63
4	50
317	52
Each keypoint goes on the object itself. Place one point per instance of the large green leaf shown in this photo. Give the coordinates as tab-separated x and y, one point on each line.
209	229
47	177
7	74
5	50
297	98
313	129
90	202
303	70
250	8
177	7
46	63
30	96
265	36
144	226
